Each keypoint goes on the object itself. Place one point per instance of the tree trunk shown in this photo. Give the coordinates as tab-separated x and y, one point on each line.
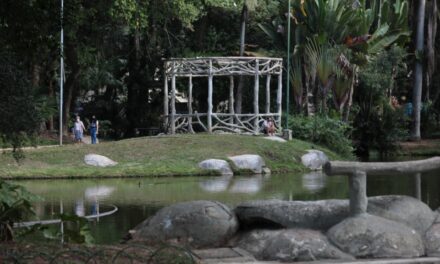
51	95
430	44
69	87
418	71
328	85
239	99
133	84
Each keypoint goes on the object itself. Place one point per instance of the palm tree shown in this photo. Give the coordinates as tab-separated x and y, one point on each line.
418	71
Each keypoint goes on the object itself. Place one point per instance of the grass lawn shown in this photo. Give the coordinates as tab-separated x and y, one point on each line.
426	147
155	156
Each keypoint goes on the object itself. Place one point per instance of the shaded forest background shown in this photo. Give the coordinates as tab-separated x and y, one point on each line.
353	64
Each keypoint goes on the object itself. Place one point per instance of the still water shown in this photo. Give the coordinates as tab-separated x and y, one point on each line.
139	198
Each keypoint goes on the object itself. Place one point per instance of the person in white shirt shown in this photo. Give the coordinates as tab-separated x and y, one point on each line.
78	129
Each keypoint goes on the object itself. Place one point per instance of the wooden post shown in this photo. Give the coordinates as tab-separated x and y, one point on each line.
173	102
165	102
190	110
418	186
210	98
268	94
231	99
358	193
279	94
256	88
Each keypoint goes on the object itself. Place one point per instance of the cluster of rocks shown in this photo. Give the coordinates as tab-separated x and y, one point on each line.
393	227
254	164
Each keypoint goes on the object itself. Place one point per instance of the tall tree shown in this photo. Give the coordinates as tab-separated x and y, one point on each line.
247	4
418	70
431	31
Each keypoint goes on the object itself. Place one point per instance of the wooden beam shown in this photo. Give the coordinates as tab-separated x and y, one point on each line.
165	102
256	93
279	95
268	93
210	97
190	110
381	168
231	98
173	104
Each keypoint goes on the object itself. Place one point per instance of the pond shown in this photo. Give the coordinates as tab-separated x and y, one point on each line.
139	198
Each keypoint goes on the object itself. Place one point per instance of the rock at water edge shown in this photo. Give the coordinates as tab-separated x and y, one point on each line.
98	160
218	165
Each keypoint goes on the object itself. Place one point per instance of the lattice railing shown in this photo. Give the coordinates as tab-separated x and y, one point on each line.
223	66
235	123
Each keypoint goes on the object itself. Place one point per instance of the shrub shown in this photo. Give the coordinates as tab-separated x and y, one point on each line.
324	131
15	205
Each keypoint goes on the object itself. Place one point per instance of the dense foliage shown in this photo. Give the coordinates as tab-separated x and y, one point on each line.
324	131
114	52
379	123
15	206
20	109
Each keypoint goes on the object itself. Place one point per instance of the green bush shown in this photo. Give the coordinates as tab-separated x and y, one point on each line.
20	115
381	130
378	125
15	206
324	131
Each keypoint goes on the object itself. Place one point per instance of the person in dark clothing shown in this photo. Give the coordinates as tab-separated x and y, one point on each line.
94	129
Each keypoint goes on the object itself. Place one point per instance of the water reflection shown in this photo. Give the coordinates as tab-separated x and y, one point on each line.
219	184
98	192
245	185
79	207
138	199
314	181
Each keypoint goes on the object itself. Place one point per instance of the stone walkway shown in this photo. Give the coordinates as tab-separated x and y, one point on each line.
240	256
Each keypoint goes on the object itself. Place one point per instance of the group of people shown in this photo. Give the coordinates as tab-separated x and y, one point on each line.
269	126
79	128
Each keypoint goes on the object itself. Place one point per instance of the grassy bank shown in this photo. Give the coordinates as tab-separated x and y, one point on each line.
155	156
427	147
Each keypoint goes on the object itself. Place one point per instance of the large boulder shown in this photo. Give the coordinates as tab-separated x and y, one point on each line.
98	160
254	163
289	245
310	214
403	209
368	236
314	159
218	165
432	239
196	224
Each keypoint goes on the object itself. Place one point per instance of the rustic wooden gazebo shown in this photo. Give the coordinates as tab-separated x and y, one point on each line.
209	67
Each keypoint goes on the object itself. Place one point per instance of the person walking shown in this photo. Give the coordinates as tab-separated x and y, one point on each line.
78	129
94	128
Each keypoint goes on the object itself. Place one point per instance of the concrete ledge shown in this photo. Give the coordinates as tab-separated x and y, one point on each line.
426	260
